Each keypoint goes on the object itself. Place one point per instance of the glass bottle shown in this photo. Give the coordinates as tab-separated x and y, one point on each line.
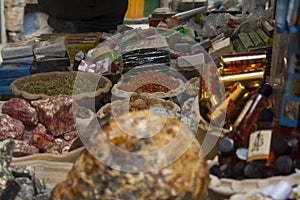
261	141
243	63
284	165
229	145
249	115
226	111
209	90
204	100
254	170
247	118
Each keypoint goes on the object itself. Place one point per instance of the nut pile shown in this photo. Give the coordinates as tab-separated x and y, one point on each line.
135	103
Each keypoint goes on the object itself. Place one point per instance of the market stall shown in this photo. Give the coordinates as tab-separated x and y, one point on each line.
201	104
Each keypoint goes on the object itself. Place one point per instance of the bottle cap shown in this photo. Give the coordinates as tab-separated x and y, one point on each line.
242	153
238	170
281	191
281	146
265	90
225	171
214	170
253	170
284	165
225	145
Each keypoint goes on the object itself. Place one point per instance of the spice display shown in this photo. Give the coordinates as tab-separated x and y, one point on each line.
186	177
226	45
53	132
149	82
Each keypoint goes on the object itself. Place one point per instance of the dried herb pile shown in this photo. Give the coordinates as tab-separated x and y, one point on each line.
66	84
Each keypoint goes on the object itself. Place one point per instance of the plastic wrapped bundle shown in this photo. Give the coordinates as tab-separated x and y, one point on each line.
138	57
185	177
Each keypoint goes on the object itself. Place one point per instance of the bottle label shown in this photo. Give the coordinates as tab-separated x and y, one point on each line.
243	113
259	145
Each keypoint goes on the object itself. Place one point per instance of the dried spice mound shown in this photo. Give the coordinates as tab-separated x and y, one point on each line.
149	82
151	88
10	127
60	84
56	113
20	109
186	177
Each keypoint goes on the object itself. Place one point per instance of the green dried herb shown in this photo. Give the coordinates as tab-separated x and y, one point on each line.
61	84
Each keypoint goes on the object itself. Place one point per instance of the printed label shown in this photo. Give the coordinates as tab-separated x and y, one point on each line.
259	145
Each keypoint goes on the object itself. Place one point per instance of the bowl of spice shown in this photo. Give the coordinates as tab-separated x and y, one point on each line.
153	83
139	102
79	85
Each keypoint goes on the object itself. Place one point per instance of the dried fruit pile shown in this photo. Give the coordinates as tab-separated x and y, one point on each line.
40	126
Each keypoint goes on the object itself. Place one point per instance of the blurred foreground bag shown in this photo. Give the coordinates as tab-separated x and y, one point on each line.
159	176
84	16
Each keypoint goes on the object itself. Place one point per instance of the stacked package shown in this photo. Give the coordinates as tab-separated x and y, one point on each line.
51	55
17	59
75	42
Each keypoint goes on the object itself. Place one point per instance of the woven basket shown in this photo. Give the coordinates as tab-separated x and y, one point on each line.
105	85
